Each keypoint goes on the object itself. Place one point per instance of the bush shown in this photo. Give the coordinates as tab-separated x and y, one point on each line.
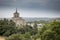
19	37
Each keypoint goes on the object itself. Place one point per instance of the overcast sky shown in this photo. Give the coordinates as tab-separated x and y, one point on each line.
30	8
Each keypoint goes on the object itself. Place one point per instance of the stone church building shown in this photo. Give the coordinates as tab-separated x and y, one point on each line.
18	20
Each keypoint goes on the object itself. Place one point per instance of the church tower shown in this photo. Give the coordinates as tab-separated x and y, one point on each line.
16	14
18	20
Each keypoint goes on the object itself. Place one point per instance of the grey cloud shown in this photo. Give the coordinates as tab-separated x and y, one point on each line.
34	4
54	4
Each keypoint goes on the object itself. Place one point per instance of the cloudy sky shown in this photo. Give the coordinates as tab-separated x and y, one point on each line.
30	8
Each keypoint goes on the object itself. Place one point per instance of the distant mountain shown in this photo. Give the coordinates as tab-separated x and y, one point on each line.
38	19
35	19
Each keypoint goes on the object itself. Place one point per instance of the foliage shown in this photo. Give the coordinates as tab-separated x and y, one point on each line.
6	27
19	37
50	31
27	28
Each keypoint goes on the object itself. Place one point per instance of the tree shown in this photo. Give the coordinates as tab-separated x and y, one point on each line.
50	31
15	37
27	36
7	27
19	37
49	35
35	28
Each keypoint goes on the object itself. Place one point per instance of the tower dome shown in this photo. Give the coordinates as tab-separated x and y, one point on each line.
16	14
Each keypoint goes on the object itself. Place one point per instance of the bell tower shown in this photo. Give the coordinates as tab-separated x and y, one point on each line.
18	20
16	14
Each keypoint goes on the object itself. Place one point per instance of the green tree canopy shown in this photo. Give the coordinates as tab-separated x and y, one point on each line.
51	31
7	27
